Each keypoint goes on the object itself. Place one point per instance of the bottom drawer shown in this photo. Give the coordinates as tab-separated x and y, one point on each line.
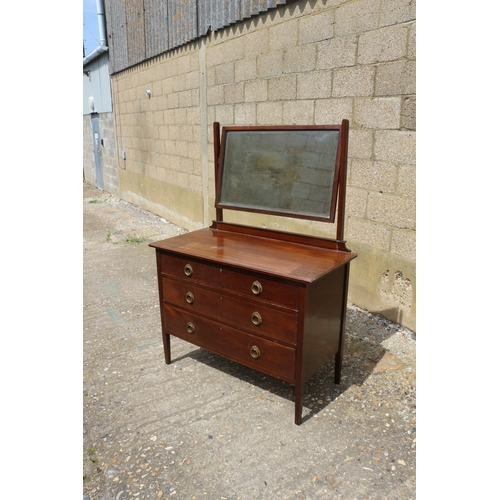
263	355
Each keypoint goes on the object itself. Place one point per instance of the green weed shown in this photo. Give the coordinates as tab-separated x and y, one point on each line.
134	240
92	453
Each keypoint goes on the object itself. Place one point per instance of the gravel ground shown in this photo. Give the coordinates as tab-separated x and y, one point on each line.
204	427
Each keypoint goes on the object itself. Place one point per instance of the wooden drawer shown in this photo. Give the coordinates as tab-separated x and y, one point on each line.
253	316
224	277
255	352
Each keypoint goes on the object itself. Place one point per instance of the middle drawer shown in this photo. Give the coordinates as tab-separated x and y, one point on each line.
255	317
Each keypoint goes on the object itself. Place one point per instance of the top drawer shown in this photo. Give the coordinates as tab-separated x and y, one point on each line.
230	279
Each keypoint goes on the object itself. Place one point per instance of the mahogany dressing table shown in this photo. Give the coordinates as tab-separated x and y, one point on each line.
271	300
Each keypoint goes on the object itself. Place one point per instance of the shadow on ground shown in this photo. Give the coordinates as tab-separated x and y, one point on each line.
364	354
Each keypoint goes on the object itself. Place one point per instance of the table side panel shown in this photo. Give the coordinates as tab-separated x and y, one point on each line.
322	322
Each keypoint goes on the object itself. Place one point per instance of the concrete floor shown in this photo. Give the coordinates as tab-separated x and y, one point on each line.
207	428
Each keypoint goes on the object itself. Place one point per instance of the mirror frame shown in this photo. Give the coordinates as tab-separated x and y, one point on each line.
339	169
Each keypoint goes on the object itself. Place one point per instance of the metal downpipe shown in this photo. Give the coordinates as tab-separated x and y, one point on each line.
102	34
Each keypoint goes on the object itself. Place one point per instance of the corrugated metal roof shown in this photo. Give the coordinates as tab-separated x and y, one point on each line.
182	21
136	39
141	29
116	29
156	27
217	14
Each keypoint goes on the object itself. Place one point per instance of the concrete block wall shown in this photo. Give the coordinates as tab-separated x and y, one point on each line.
108	152
160	135
88	152
309	62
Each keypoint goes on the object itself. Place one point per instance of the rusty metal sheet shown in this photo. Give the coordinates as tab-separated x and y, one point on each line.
136	40
116	30
141	29
217	14
156	27
253	7
182	22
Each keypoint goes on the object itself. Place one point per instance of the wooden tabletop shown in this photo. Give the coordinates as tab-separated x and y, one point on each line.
284	259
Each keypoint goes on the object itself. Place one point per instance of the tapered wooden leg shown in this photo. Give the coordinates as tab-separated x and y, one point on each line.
338	364
298	404
340	353
166	336
166	348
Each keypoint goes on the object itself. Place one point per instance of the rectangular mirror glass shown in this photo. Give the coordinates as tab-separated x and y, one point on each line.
290	171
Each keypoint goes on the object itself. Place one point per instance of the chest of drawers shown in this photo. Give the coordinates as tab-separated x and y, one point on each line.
275	306
272	301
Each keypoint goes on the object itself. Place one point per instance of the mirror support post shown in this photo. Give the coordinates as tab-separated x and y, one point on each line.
218	211
344	133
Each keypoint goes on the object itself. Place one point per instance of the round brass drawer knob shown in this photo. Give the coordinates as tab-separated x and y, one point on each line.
256	288
255	352
256	318
188	270
189	298
190	327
